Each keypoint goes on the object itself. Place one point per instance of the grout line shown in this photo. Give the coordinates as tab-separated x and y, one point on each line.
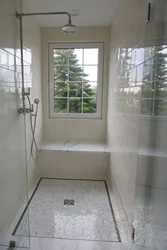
112	211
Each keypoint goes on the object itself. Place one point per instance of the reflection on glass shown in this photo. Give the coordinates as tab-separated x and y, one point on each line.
91	56
146	106
161	107
147	91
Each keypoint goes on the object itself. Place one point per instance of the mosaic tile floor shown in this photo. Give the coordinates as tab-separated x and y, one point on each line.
86	214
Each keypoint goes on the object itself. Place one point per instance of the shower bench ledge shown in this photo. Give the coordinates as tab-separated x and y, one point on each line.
73	160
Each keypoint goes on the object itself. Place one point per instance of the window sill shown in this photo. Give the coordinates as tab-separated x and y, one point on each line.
76	116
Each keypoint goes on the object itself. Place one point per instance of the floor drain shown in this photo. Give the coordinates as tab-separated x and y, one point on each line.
69	202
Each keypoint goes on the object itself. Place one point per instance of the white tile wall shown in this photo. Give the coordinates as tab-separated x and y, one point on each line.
137	144
124	99
13	187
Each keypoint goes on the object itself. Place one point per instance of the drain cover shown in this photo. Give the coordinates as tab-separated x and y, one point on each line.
69	202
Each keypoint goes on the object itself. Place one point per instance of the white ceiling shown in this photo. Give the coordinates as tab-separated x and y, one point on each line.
92	12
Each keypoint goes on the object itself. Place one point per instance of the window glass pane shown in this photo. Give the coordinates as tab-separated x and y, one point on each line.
61	56
61	73
146	106
89	105
161	107
90	73
161	90
75	105
61	105
61	89
147	91
89	89
75	89
77	55
91	56
75	73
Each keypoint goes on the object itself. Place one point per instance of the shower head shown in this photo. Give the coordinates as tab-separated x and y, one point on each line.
69	28
36	101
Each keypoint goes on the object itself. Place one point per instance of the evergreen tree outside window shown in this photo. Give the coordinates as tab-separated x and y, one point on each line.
76	79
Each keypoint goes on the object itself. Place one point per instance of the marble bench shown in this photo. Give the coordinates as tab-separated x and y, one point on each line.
73	160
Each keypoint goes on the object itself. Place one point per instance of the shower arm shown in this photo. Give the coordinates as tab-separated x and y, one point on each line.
19	15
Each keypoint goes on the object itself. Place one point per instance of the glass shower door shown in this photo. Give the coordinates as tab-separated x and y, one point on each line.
13	169
150	220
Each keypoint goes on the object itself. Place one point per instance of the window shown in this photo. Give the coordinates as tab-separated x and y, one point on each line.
75	79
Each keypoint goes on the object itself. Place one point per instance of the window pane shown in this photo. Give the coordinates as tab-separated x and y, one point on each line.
161	90
61	105
147	91
89	105
146	106
75	89
89	89
91	56
161	107
61	73
61	56
61	89
75	105
91	73
77	56
75	73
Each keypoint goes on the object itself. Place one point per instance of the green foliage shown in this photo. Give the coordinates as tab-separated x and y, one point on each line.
69	83
155	83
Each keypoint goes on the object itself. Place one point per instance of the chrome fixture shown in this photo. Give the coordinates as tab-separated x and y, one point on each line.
68	28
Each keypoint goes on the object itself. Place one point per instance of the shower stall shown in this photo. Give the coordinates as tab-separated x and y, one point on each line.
122	198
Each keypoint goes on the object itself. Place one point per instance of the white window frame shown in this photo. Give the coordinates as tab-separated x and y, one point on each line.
98	114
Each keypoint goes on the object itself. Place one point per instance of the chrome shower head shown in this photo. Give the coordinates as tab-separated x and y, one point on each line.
36	101
69	28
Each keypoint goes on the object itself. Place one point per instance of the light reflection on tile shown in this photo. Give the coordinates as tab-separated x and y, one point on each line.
89	219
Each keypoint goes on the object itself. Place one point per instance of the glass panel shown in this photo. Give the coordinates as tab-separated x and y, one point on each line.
77	56
89	89
61	89
61	56
146	106
61	105
75	89
147	91
91	73
13	135
89	105
161	90
76	73
91	56
61	73
161	107
75	105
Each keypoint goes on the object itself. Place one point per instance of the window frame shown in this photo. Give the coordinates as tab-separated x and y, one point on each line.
76	45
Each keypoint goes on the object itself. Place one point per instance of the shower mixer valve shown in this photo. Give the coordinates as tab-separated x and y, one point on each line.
29	110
